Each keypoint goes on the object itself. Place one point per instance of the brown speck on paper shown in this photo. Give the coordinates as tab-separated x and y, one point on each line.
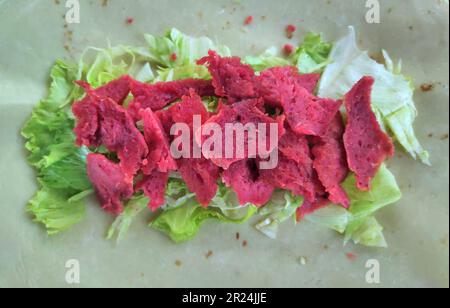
209	254
426	87
444	137
238	236
244	244
104	2
178	263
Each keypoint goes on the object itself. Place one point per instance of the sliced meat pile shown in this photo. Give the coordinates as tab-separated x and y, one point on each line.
152	130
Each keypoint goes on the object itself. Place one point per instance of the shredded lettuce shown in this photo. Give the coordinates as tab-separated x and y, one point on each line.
312	56
186	48
182	72
266	60
282	207
122	223
392	93
358	222
182	222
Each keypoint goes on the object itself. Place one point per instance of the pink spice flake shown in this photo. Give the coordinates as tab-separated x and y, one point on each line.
129	21
290	30
173	57
288	49
248	21
351	256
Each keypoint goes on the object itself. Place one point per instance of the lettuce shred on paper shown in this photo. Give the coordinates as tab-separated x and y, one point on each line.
61	166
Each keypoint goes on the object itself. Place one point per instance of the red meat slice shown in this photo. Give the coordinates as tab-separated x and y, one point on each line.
191	105
309	207
366	144
86	110
154	186
275	83
117	90
307	114
159	95
231	78
159	156
244	178
296	148
330	161
110	182
200	174
101	121
201	177
87	128
245	112
300	179
308	81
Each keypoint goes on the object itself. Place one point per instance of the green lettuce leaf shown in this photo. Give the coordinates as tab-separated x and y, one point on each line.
61	166
186	48
52	208
282	207
358	222
312	56
366	231
392	94
266	60
333	217
183	223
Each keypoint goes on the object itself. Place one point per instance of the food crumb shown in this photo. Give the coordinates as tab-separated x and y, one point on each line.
444	137
288	49
209	254
244	244
178	263
426	87
238	236
351	256
290	30
325	247
248	21
104	2
129	21
430	135
303	260
173	57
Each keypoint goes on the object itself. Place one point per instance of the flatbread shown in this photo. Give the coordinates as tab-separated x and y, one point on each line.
33	36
